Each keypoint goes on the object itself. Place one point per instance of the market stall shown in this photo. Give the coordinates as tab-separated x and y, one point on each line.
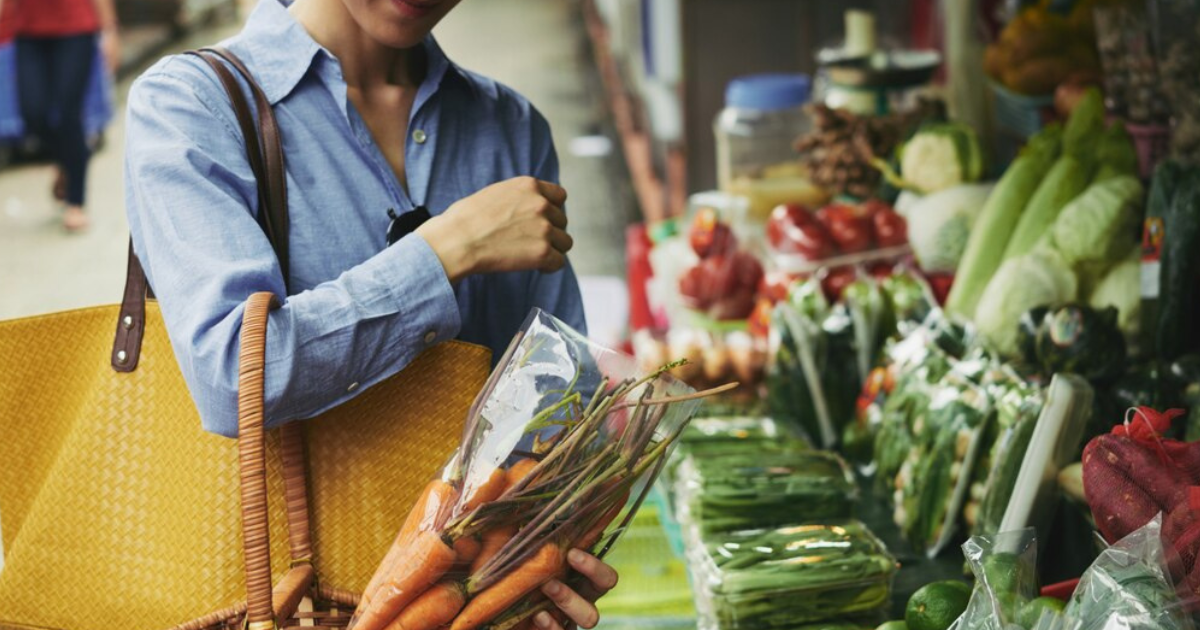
967	353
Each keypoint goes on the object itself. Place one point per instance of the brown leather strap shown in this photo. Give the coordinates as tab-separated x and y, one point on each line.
131	322
264	150
275	172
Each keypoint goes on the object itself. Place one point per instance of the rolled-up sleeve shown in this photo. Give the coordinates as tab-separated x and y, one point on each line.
191	199
557	292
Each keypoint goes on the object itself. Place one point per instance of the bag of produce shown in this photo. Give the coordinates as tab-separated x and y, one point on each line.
747	490
1006	586
1033	499
1128	586
781	578
558	452
916	363
934	479
1135	473
813	377
1018	405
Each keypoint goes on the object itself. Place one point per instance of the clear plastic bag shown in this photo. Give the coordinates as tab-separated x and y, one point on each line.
735	491
558	452
783	578
933	482
1128	586
1005	569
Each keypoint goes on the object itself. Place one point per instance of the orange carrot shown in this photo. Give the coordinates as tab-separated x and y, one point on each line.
427	506
466	549
523	580
423	562
487	491
493	541
433	608
520	470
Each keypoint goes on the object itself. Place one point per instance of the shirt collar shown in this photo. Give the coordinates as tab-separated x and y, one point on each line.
282	52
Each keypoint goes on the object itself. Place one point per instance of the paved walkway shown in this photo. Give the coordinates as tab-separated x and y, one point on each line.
536	46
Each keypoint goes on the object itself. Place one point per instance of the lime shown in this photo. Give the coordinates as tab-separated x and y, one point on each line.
935	606
1008	574
1032	611
893	625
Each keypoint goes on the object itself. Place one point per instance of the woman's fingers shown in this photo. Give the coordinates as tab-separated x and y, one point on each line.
580	610
560	240
553	193
602	576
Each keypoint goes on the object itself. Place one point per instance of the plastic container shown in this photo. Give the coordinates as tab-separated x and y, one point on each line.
781	578
754	490
755	132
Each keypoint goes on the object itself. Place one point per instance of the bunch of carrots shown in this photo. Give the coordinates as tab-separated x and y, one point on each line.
474	555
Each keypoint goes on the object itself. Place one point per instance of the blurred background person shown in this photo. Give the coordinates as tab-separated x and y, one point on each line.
56	44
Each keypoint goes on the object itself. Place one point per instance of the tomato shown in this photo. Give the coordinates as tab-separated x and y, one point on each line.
835	281
871	206
849	226
791	230
759	322
881	270
694	287
890	228
748	272
709	236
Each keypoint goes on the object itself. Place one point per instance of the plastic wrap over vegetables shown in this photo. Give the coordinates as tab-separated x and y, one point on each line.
934	479
558	452
781	578
1128	586
1006	587
735	491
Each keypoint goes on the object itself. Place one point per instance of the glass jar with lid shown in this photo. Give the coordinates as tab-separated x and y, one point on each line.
755	133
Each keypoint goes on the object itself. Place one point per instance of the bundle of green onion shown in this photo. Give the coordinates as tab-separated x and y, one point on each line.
738	491
781	578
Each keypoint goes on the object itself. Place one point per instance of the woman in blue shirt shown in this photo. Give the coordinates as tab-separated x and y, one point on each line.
374	118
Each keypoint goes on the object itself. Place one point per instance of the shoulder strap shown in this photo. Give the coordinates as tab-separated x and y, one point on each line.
264	150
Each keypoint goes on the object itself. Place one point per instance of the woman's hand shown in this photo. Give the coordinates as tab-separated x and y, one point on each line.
514	225
578	606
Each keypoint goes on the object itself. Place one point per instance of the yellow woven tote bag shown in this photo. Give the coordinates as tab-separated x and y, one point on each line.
118	511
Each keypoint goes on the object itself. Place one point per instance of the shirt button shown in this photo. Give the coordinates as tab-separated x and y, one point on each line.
353	386
430	337
419	136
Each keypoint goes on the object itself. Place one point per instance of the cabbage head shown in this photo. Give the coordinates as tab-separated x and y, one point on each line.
1121	288
941	155
1039	278
1096	228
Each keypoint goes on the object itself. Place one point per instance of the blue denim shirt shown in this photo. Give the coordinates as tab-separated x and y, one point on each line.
358	311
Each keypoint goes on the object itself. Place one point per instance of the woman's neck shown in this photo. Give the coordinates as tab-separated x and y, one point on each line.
365	63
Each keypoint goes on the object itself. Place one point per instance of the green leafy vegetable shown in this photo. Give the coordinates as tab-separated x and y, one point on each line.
998	219
940	156
761	580
1039	278
1098	226
939	225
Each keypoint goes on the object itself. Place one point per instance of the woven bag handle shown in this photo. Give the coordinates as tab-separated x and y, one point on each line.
265	154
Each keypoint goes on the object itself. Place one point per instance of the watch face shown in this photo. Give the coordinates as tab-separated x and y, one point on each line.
404	224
